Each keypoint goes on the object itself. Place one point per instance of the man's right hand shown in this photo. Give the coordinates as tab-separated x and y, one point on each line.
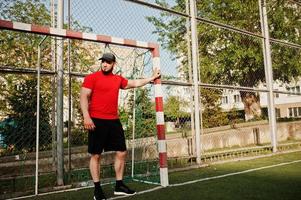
88	123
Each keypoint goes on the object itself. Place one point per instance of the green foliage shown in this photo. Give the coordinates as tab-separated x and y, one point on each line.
20	50
145	119
145	114
29	11
126	120
212	114
173	111
172	108
288	119
79	137
233	116
230	58
21	131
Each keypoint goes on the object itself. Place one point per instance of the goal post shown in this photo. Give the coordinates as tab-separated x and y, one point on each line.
153	47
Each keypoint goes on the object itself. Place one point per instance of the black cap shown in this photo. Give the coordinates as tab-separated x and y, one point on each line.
108	57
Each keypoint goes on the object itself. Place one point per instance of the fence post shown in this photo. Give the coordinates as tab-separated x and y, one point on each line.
256	134
38	115
190	71
53	82
268	72
197	107
60	107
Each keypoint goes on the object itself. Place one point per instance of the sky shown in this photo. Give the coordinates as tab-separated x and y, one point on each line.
122	19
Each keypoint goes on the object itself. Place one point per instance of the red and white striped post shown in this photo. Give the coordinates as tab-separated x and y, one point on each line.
43	30
160	119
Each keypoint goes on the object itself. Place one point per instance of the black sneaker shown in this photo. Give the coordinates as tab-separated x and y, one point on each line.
99	196
123	190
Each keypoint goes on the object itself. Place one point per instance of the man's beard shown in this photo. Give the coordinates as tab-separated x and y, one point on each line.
107	72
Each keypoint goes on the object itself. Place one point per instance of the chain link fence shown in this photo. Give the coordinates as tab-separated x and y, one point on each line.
234	91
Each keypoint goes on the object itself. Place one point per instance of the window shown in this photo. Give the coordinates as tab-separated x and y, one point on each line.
290	112
236	98
224	100
277	110
298	89
294	89
294	112
276	95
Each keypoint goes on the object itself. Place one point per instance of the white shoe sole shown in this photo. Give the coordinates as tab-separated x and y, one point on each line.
94	198
123	193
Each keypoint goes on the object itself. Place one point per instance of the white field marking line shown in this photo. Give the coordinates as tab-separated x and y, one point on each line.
211	178
160	187
53	192
234	173
148	182
57	192
141	192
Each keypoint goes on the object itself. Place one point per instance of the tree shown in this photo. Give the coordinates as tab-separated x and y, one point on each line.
231	58
173	110
233	116
145	114
21	131
212	114
145	119
20	50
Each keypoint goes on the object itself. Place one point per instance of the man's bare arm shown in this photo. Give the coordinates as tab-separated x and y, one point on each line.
141	82
85	94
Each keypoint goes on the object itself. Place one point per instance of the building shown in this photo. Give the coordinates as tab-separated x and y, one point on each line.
287	105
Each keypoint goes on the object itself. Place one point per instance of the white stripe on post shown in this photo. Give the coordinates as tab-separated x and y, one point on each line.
117	40
158	90
22	26
90	36
160	118
57	31
163	174
162	146
156	62
142	44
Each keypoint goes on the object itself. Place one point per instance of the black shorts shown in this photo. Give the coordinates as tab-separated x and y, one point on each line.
108	135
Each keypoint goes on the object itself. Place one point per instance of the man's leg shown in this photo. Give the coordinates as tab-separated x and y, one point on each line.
119	164
120	188
95	173
95	167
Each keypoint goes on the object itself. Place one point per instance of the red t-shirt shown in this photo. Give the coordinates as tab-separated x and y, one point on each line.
104	97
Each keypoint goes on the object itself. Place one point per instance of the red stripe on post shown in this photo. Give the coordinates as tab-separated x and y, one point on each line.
161	132
163	160
157	81
153	45
40	29
104	38
159	104
74	34
129	42
155	49
6	24
155	52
